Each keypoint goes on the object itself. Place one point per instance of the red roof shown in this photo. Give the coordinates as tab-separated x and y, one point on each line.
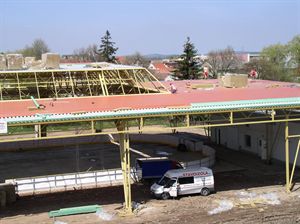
161	67
257	89
121	59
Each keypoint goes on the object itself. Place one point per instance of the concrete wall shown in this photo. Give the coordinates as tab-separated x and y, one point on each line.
173	140
265	139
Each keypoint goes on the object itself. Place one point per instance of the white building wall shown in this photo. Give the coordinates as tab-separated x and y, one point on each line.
234	137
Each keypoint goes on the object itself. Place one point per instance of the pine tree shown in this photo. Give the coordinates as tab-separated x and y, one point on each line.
107	50
188	68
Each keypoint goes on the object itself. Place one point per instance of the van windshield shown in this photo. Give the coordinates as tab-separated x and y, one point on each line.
166	181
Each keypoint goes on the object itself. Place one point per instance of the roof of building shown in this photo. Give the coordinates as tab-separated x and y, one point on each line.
161	68
259	93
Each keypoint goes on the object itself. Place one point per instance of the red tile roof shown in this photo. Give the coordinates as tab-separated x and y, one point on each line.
161	67
257	89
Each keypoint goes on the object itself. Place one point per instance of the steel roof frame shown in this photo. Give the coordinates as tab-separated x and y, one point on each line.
19	85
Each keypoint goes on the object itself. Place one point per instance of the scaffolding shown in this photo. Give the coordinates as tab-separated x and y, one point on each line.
61	83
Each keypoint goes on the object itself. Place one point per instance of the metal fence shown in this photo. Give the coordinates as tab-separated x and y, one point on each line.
70	181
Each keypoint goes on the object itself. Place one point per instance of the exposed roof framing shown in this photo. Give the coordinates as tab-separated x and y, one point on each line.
19	85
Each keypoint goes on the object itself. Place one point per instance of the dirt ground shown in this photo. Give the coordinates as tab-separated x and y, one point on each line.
254	193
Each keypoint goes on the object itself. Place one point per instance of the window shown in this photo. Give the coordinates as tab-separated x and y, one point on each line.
164	180
248	140
186	180
170	183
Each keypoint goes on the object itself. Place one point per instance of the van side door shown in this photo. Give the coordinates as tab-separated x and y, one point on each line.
186	185
173	188
199	183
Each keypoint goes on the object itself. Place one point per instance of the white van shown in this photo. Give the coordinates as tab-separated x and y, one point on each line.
184	181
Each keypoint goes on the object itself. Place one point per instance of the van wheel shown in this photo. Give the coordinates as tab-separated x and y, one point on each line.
205	191
165	196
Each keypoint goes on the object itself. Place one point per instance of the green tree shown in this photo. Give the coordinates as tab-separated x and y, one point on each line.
294	54
278	62
107	50
273	63
188	68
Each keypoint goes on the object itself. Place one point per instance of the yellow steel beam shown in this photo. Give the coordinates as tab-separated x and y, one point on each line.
54	84
125	164
187	120
294	165
37	85
1	96
71	83
88	82
136	81
156	80
93	127
19	88
121	82
287	157
104	83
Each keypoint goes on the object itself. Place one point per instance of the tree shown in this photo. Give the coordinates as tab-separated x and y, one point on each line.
137	59
37	48
273	63
222	61
87	54
188	68
294	54
278	62
107	50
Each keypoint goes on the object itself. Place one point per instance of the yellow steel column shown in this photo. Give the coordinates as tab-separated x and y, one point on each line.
294	164
125	164
287	157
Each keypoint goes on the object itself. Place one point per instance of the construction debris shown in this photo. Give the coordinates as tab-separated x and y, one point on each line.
233	80
251	198
50	61
246	200
102	214
14	61
29	61
224	205
2	62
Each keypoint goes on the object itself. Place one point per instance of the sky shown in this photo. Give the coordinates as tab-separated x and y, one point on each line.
149	26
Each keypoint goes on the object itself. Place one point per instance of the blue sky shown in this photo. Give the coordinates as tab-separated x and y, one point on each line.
149	26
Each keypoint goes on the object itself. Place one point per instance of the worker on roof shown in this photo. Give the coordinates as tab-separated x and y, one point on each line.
173	88
253	74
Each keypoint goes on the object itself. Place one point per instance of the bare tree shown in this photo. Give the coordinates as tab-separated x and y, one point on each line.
39	47
36	49
87	54
223	61
137	59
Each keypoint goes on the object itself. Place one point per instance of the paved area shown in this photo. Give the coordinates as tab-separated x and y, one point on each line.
232	187
261	187
80	158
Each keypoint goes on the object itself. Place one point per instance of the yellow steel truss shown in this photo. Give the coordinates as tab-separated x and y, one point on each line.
19	85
